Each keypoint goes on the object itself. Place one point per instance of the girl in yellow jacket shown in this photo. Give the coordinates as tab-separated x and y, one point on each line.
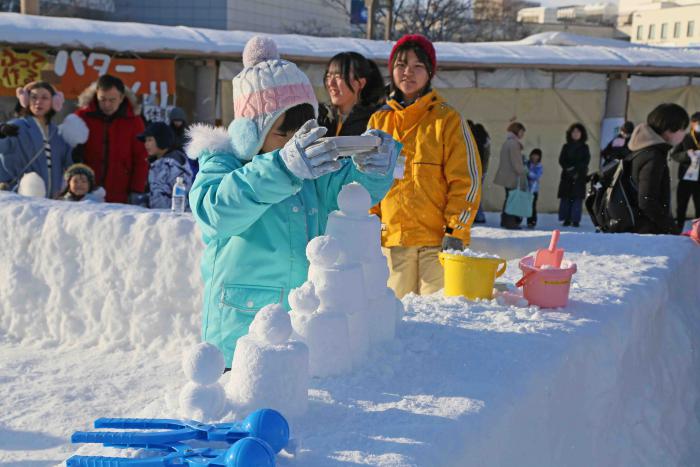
434	205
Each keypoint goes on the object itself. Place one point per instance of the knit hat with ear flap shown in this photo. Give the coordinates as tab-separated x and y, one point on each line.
266	88
80	169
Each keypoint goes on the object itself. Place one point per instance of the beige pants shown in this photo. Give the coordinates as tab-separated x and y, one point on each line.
414	269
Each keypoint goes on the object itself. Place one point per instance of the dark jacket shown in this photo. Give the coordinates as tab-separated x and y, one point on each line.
611	153
680	152
650	174
355	124
112	150
573	159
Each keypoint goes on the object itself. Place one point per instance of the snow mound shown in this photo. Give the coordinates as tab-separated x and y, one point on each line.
97	303
117	276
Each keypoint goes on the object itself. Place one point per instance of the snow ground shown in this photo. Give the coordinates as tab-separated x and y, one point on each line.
97	302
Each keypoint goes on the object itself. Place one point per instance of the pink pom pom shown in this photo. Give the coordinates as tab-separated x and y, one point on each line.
259	49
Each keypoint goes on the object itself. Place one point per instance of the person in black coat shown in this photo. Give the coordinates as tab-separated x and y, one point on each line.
573	159
650	143
618	147
685	153
356	89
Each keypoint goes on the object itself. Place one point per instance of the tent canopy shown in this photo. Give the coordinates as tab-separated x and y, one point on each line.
554	51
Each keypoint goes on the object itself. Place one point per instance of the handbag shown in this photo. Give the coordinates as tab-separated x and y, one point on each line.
519	202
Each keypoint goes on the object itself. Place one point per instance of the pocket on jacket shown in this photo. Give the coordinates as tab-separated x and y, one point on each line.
248	299
430	182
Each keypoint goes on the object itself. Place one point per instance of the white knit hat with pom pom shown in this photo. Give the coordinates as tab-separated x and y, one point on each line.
266	88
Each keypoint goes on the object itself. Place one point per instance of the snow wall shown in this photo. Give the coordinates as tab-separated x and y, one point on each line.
623	390
107	274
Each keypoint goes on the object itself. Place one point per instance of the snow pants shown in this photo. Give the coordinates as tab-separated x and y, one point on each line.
414	269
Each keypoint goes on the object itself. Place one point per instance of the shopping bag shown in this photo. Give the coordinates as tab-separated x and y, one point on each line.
519	202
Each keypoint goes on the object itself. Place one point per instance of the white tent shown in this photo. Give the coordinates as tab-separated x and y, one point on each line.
546	81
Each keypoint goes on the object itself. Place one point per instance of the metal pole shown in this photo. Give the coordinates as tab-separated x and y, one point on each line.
29	7
371	4
389	20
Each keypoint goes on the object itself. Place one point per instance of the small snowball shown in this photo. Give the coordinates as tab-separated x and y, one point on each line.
271	325
521	303
304	299
323	251
259	49
354	199
201	402
32	184
203	363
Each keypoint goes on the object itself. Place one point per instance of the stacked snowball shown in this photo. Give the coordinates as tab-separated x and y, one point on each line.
345	307
203	397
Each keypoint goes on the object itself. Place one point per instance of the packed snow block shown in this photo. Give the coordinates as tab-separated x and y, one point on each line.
325	333
327	337
357	230
268	370
269	376
376	272
341	288
382	316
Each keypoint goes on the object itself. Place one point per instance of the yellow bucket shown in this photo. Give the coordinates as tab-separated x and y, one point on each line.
471	277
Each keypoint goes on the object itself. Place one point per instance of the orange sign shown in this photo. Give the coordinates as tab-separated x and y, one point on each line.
74	71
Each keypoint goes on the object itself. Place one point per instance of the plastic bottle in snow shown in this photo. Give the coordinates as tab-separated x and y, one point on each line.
179	194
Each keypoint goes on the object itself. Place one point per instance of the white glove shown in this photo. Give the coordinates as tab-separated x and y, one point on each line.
307	160
381	160
73	130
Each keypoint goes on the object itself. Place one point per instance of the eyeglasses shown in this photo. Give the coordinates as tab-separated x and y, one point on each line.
332	77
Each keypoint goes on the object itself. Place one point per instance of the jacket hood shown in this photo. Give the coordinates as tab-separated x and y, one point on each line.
512	136
643	136
206	140
88	98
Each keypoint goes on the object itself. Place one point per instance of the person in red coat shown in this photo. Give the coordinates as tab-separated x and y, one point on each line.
112	151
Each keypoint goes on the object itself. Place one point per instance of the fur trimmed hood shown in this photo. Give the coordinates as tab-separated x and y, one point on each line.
206	139
88	97
644	136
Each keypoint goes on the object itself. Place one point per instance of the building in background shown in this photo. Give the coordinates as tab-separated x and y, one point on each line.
668	25
499	9
596	20
538	15
314	17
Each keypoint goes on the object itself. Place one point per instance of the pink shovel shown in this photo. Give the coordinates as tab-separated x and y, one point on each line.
551	256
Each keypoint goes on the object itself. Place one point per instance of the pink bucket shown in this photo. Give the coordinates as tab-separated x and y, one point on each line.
546	288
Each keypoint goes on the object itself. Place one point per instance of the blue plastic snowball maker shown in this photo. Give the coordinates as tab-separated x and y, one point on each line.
262	434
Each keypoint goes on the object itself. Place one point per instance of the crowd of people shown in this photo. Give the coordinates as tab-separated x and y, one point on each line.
105	151
104	147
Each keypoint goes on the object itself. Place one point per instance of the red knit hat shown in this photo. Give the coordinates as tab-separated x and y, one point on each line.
422	42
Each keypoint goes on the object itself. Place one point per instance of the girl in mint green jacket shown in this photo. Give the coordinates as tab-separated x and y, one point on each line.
265	189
